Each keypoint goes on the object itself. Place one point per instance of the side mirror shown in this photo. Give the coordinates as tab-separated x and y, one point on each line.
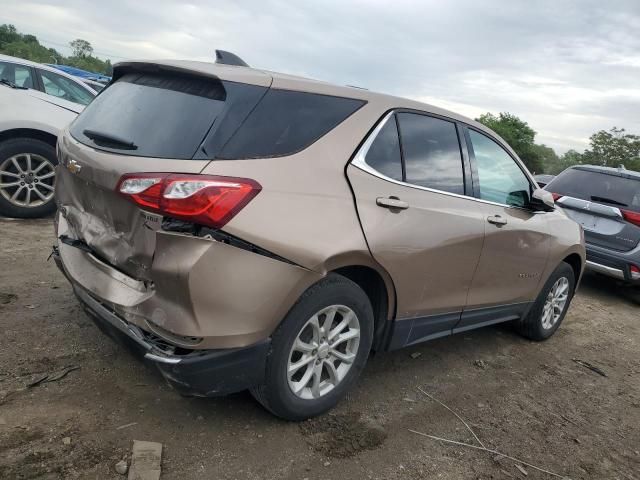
542	201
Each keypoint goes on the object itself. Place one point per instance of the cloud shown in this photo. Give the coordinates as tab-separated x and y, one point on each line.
568	68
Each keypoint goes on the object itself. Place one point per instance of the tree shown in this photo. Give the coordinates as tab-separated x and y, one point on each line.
568	159
518	134
27	46
613	149
8	34
81	48
546	155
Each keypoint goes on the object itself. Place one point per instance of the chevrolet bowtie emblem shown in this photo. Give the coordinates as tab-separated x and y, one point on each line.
73	166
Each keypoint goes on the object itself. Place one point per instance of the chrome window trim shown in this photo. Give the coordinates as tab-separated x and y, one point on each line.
360	162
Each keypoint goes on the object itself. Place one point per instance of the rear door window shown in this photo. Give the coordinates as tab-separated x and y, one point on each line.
157	115
500	178
384	153
431	152
598	187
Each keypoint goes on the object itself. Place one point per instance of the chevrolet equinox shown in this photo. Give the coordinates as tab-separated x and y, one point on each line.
244	229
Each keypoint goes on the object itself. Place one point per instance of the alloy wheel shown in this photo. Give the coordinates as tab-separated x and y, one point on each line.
554	305
323	352
27	180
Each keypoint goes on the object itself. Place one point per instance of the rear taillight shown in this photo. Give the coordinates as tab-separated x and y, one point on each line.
631	217
635	272
556	196
203	199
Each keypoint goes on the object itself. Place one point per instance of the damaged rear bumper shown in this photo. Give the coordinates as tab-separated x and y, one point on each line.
198	372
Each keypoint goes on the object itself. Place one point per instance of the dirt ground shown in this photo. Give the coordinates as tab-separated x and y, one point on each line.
529	400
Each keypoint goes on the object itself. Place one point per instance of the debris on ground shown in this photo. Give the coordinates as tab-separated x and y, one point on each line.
66	441
122	467
415	355
591	367
52	377
480	364
145	461
481	446
6	298
126	425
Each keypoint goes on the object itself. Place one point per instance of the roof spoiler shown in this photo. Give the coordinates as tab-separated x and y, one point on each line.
227	58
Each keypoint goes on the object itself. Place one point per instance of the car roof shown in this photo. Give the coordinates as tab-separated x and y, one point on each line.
42	66
285	81
618	172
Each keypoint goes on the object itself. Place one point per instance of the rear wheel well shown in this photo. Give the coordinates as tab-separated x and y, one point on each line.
373	285
29	133
575	262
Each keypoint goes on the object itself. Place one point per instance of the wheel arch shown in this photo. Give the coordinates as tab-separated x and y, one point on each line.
378	286
575	262
32	133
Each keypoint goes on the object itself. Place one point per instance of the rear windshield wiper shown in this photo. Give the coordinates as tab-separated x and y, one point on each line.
9	83
110	140
608	200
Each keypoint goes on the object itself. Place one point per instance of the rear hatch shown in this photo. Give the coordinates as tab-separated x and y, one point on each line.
152	118
606	203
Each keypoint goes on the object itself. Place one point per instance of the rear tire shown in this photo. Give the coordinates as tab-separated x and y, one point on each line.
337	301
548	311
38	153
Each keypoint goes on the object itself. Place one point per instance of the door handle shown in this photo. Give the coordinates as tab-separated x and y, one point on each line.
497	220
393	203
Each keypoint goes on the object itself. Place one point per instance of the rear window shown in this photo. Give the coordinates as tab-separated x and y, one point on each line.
286	122
598	187
158	115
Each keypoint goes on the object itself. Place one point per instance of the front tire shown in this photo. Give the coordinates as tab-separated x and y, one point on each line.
27	178
551	305
318	351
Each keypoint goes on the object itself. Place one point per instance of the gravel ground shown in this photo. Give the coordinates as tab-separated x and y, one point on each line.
529	400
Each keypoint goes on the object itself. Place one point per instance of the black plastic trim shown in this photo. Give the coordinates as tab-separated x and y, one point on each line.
481	317
411	331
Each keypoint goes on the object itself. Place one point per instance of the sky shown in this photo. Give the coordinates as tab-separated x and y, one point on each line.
568	68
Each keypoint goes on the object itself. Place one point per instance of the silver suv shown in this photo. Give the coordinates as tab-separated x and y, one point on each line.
606	202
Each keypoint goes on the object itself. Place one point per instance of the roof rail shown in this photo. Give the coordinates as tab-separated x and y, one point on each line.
227	58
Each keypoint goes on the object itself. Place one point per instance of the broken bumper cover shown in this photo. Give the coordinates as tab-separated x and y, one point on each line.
200	372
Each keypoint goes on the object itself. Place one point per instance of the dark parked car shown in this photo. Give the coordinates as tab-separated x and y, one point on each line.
543	179
606	202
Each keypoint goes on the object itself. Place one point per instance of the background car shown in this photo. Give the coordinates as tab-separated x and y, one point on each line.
44	79
97	86
30	121
80	73
606	202
543	179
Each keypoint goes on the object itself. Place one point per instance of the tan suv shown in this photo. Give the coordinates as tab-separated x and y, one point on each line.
246	229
